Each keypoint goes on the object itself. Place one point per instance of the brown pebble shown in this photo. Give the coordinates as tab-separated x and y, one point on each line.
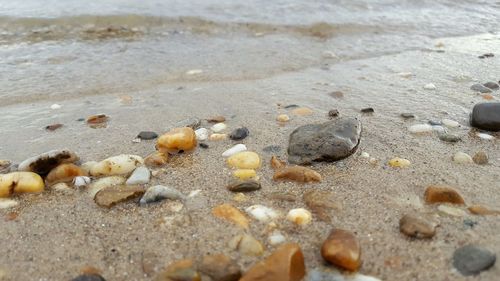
276	163
285	264
302	111
112	195
220	268
216	119
230	213
417	226
63	173
156	159
342	249
442	194
90	270
321	203
182	270
97	119
481	210
53	127
297	173
480	158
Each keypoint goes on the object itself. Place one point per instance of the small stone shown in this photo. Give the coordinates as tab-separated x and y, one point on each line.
321	203
276	163
276	238
417	226
217	137
141	175
110	196
480	88
399	162
449	138
245	174
299	216
232	214
435	122
147	135
333	113
7	204
183	270
216	119
405	74
55	106
97	121
220	268
486	116
462	158
89	277
298	174
177	140
487	97
53	127
487	55
204	145
283	118
480	158
156	159
239	134
45	162
117	165
160	192
244	186
365	154
302	111
430	86
439	129
330	141
442	194
193	123
262	213
408	115
201	134
244	160
452	211
481	210
102	183
219	127
485	136
247	245
471	260
368	110
450	123
342	249
233	150
285	264
420	129
491	85
20	182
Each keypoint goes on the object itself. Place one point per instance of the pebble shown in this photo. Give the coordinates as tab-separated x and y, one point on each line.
193	123
471	260
330	141
368	110
245	174
284	264
141	175
53	127
182	270
276	163
430	86
302	111
204	145
342	249
233	150
160	192
97	121
336	94
20	182
110	196
244	186
216	119
316	275
55	106
7	203
177	140
232	214
481	210
156	159
487	55
486	116
219	127
417	226
201	134
262	213
449	138
485	136
298	174
321	203
299	216
217	137
408	115
442	194
244	160
420	129
450	123
276	238
480	88
89	277
452	211
462	158
480	158
487	97
45	162
220	268
194	71
399	162
435	122
365	154
491	85
283	118
147	135
239	133
117	165
63	173
247	245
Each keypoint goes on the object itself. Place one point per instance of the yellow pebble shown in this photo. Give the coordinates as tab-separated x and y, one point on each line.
20	182
244	174
217	137
283	118
176	140
244	160
399	162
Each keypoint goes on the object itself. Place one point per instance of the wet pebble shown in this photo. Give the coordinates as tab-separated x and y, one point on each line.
160	192
298	174
262	213
486	116
63	173
248	185
471	260
417	226
462	158
342	249
480	88
110	196
282	118
442	194
232	214
117	165
239	133
177	140
97	121
299	216
141	175
244	160
20	182
235	149
491	85
480	158
147	135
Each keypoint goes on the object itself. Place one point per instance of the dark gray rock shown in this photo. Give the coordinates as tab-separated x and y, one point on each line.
333	113
329	141
480	88
203	145
147	135
491	85
89	277
407	115
239	134
367	110
486	116
470	260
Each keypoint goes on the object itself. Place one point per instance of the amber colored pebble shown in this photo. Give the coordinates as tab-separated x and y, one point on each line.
481	210
112	195
53	127
97	119
216	119
90	270
230	213
442	194
182	270
64	173
297	173
342	249
417	226
156	159
302	111
276	163
487	97
177	140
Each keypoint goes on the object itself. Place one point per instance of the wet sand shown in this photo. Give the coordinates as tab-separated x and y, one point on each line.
55	234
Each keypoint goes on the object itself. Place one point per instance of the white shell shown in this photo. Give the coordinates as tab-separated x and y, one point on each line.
117	165
299	216
219	127
201	134
235	149
420	129
262	213
141	175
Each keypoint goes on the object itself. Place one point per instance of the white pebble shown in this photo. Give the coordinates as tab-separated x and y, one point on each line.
141	175
235	149
420	129
7	203
365	154
452	211
117	165
55	106
329	55
262	213
81	181
430	86
201	134
194	71
485	136
439	129
462	158
299	216
405	74
219	127
450	123
276	238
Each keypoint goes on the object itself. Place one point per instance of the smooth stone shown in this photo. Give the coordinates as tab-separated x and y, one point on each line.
302	111
220	268
262	213
330	141
110	196
399	162
485	136
276	238
20	182
316	275
368	110
245	174
449	138
102	183
244	160
480	88
7	203
321	203
81	181
283	118
435	123
216	119
480	158
491	85
141	175
430	86
471	260
420	129
299	216
156	159
333	113
244	185
45	162
247	245
177	140
147	135
462	158
201	134
217	137
408	115
89	277
450	123
219	127
452	211
417	226
64	173
284	264
342	249
239	134
442	194
235	149
97	119
482	210
117	165
160	192
486	116
193	123
232	214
